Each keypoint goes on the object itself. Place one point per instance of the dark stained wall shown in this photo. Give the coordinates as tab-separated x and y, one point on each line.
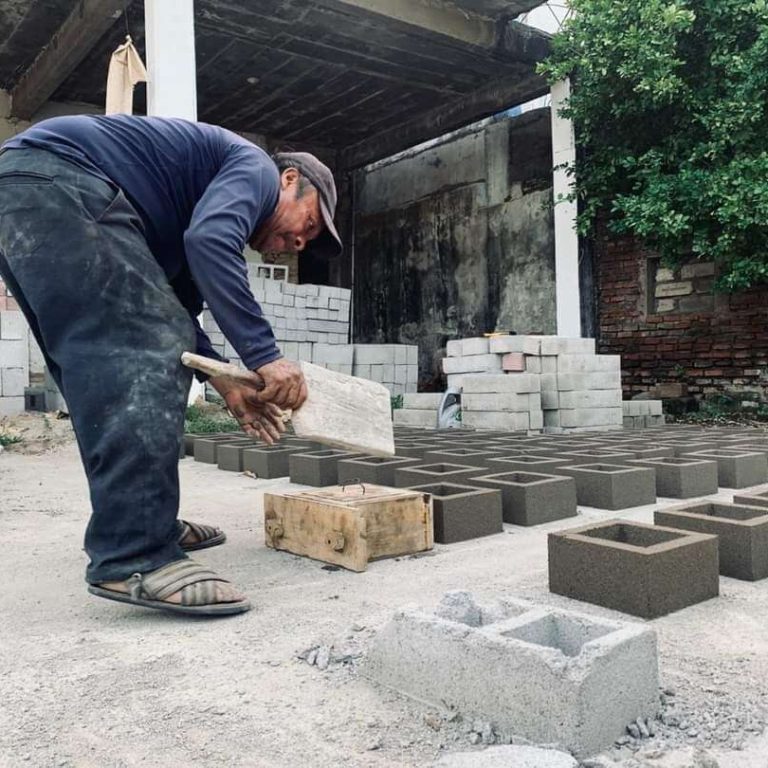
457	240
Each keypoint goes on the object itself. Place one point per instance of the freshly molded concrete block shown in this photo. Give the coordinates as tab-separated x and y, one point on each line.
471	455
372	469
318	468
639	569
756	499
681	478
415	450
431	474
205	447
229	456
742	533
549	676
271	461
612	486
530	498
736	468
462	512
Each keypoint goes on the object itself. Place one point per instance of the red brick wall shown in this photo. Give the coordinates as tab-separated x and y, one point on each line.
721	345
6	301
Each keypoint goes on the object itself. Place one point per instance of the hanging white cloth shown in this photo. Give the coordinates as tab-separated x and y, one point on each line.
125	70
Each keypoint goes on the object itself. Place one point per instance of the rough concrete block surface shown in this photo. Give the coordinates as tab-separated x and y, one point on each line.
512	402
462	512
525	463
599	398
681	478
472	364
453	348
475	346
531	498
417	401
550	676
735	468
11	406
742	533
527	345
318	468
591	417
754	499
511	756
372	469
406	417
229	456
562	345
442	472
205	448
415	449
493	383
612	486
514	422
635	568
13	326
514	362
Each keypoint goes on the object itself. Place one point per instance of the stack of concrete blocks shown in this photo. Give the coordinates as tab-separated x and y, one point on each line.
311	324
502	402
579	390
396	366
14	361
639	414
419	410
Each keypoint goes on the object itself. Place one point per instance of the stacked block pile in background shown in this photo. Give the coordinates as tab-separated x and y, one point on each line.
311	324
576	389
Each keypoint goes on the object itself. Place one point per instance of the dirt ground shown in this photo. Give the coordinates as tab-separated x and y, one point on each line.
88	683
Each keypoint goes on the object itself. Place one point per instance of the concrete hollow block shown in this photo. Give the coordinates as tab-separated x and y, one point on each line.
415	449
229	456
742	533
205	448
547	675
612	486
372	469
530	498
271	461
678	478
754	499
634	568
317	468
443	472
463	512
736	468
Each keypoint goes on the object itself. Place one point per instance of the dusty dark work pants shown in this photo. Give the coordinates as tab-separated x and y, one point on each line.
73	253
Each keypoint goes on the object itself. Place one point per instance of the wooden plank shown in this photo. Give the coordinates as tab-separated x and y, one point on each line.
67	48
447	117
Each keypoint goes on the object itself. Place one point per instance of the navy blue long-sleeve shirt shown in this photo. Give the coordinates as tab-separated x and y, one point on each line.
201	191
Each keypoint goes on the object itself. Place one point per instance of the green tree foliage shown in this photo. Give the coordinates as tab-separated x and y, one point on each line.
670	105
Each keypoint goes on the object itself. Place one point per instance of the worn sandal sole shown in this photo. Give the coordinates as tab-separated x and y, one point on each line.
217	609
206	543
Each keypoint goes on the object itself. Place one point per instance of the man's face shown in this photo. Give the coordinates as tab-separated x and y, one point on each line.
296	220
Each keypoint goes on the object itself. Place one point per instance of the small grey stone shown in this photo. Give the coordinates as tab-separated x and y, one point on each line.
323	657
475	738
642	728
693	733
651	725
374	745
634	731
312	657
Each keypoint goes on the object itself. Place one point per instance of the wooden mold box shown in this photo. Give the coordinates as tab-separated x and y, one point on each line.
349	525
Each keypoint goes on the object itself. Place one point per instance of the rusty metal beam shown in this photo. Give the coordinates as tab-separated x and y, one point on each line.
69	45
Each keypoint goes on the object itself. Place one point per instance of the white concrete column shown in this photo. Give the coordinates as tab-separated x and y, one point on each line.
172	73
566	237
171	68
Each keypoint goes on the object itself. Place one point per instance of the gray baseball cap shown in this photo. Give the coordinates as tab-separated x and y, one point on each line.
328	243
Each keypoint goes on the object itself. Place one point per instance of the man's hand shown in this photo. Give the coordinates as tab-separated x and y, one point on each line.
284	384
258	419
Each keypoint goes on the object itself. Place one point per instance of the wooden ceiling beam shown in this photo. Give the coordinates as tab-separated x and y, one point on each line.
68	47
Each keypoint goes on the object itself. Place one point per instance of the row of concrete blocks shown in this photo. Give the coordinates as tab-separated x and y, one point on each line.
652	570
527	345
